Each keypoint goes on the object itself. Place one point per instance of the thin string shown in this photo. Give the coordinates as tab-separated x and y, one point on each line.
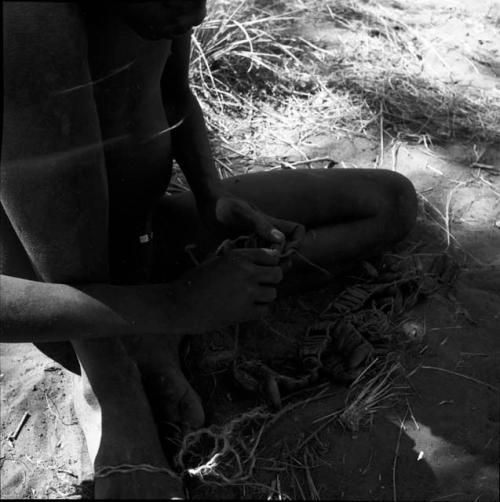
107	470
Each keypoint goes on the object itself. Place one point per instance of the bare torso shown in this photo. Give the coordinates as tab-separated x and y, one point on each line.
126	71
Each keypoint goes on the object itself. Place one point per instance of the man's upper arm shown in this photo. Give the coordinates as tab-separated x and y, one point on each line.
175	78
53	182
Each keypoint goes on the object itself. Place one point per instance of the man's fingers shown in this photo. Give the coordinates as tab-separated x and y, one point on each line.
265	295
261	310
277	235
286	265
294	232
269	275
259	256
267	230
299	233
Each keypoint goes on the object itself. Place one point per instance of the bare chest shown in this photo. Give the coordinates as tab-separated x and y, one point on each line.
126	72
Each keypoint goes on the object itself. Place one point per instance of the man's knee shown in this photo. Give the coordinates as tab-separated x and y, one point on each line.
62	353
400	208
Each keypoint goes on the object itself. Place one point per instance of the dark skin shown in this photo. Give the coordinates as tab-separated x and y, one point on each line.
86	157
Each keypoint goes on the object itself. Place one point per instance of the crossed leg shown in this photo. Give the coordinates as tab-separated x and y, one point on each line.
109	399
118	424
348	215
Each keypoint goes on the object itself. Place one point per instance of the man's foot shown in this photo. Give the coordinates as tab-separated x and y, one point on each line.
171	397
120	431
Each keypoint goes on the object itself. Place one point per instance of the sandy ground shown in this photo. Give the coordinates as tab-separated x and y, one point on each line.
456	421
448	450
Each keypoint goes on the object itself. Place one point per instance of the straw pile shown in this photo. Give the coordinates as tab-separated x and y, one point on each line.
231	453
252	54
256	72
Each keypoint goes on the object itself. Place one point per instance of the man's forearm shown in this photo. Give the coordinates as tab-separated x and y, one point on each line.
32	311
191	147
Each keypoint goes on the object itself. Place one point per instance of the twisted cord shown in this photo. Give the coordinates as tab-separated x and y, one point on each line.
107	470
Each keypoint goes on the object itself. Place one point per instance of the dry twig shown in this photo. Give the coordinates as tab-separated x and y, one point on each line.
461	375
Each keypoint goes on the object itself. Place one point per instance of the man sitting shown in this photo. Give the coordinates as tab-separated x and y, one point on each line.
97	105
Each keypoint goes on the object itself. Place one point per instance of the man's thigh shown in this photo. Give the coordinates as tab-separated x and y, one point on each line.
314	198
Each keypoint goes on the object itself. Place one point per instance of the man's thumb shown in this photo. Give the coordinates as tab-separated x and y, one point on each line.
266	230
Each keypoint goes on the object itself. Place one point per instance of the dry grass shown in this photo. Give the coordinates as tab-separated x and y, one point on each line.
242	50
413	102
238	452
248	71
231	455
265	83
227	455
372	391
257	72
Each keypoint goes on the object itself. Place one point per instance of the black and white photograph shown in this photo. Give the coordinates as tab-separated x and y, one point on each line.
250	250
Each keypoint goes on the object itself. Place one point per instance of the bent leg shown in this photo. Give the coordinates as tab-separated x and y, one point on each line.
349	214
15	261
117	422
173	401
171	397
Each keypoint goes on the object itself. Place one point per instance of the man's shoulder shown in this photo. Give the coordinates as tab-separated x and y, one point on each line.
34	17
44	44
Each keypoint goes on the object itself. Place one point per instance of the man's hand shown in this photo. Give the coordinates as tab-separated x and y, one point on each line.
229	216
236	287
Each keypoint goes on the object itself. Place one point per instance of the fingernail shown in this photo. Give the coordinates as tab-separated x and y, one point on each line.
272	252
277	234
